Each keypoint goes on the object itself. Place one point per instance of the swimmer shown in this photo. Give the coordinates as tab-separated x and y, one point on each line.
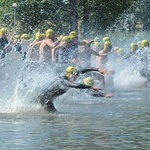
90	82
34	50
62	85
46	46
3	42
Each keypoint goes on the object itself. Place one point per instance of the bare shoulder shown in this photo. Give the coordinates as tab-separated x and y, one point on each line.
48	40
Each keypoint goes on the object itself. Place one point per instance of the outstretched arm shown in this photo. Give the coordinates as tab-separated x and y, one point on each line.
30	52
101	70
81	86
36	43
52	44
58	41
76	85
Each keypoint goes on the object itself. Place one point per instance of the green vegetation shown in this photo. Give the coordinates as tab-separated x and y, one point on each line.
86	16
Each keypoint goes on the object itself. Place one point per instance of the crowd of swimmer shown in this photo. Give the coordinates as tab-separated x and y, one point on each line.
46	48
68	53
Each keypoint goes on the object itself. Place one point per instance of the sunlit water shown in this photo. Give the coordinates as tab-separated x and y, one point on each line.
82	121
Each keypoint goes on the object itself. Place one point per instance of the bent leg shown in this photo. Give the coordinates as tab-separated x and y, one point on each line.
49	106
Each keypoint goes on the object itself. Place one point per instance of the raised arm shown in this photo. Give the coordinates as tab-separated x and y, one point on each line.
36	43
52	44
58	41
30	52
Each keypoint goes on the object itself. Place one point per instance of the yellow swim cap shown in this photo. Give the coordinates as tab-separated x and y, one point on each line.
88	81
96	44
107	44
96	38
144	43
71	70
3	31
66	38
106	39
49	32
39	36
120	51
16	37
73	34
24	36
134	46
85	42
116	49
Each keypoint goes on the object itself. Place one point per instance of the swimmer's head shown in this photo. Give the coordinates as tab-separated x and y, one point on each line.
107	44
88	81
144	43
17	37
50	33
116	49
39	36
120	51
73	35
65	39
71	71
134	46
96	39
24	36
106	39
3	31
96	44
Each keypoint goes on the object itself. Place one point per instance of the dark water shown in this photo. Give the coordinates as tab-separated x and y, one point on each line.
118	123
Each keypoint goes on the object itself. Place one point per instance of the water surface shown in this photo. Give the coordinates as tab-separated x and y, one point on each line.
121	122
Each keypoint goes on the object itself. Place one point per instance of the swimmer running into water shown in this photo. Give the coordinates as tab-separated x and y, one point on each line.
90	82
62	85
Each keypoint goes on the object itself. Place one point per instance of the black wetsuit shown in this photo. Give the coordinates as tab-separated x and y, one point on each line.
145	72
3	42
57	88
18	47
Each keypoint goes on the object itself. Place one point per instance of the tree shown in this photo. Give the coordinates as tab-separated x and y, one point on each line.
89	17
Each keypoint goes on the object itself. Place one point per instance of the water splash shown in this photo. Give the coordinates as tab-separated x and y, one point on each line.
20	81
